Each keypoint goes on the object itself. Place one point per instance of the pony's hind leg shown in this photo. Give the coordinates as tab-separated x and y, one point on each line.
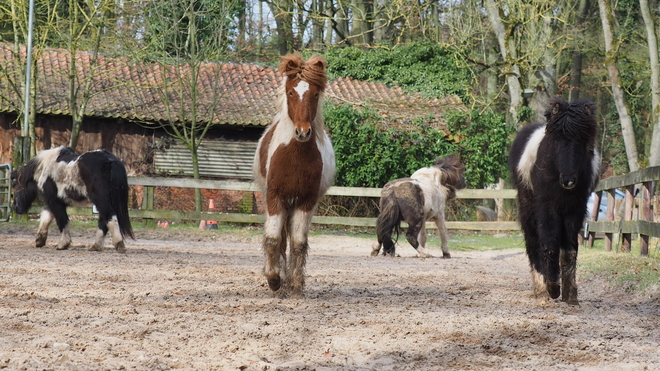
421	238
299	229
100	234
115	233
58	209
415	226
375	248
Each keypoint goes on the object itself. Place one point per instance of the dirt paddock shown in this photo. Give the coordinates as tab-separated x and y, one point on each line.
197	301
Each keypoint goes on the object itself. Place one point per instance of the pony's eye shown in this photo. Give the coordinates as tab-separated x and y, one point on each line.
291	94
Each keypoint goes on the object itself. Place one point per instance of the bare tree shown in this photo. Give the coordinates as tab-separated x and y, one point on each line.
13	70
611	47
509	55
87	21
654	157
177	41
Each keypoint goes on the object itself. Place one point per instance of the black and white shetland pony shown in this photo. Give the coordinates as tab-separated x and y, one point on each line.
415	200
62	178
555	167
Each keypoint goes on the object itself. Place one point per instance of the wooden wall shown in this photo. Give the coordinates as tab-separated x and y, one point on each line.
131	142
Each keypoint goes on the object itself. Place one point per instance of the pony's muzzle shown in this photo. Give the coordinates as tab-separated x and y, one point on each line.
303	135
568	182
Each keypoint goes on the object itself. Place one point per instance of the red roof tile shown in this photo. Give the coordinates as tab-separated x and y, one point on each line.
246	93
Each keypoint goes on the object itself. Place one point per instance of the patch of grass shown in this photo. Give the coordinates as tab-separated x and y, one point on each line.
629	270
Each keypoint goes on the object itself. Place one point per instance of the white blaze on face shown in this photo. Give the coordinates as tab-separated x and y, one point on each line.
301	88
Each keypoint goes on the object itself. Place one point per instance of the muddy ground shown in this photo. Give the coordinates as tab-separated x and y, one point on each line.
196	300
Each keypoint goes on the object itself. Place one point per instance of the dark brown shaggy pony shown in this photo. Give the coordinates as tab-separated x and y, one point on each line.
415	200
555	167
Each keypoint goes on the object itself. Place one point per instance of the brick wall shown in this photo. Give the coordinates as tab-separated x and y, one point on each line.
183	199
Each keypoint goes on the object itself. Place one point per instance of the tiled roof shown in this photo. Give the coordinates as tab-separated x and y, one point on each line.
246	93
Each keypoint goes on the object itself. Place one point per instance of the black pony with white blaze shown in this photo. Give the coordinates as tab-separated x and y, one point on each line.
62	178
555	167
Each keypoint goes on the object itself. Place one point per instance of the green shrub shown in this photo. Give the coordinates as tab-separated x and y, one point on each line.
369	156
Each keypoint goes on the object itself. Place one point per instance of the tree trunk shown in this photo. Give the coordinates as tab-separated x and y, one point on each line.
363	21
654	156
283	11
330	12
317	23
512	72
342	28
576	71
619	96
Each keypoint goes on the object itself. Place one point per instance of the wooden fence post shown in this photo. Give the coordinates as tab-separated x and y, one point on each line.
627	216
594	217
645	214
148	204
611	205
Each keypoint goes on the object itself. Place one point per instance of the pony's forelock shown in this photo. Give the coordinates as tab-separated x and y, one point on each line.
575	120
311	71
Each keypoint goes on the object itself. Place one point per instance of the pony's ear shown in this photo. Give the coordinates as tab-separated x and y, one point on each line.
555	108
290	64
317	62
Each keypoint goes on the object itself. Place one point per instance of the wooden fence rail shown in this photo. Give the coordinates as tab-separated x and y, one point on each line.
147	211
637	184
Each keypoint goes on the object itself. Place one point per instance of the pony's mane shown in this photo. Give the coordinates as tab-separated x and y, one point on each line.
26	172
575	120
311	71
452	172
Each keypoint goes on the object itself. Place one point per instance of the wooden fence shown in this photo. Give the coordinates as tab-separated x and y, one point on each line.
146	211
637	216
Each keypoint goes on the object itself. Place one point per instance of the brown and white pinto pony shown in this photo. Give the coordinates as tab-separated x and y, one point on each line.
294	165
415	200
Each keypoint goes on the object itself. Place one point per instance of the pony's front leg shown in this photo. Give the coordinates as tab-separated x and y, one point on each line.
274	238
550	238
442	233
299	229
568	284
568	261
45	219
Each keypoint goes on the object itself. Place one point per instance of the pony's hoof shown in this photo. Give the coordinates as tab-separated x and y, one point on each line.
375	249
446	255
63	247
572	302
275	283
40	242
121	248
553	289
95	248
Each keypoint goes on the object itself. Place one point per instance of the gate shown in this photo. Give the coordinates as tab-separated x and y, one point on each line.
5	192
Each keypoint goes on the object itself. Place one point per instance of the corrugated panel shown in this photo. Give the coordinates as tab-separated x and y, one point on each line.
216	159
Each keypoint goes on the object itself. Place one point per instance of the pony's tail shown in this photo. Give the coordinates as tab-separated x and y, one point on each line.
388	220
119	197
